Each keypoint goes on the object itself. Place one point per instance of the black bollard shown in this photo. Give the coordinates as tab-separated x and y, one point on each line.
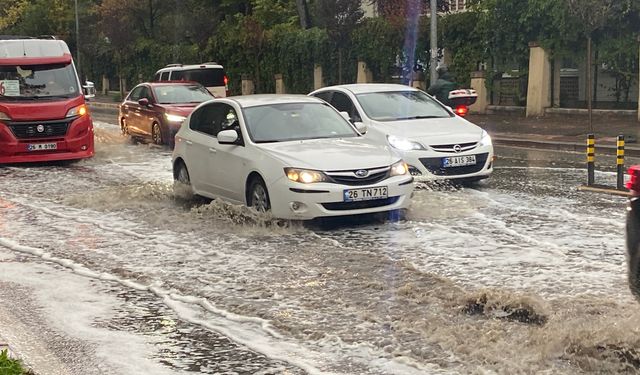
591	155
620	162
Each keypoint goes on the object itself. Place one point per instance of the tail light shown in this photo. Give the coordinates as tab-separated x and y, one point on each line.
462	110
634	182
226	84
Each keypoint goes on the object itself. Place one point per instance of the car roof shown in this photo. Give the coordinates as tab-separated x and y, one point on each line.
266	99
361	88
208	65
172	83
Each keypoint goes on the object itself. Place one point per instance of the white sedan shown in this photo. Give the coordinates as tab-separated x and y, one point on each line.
292	155
436	143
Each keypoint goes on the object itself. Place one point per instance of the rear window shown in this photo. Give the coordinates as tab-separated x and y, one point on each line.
207	77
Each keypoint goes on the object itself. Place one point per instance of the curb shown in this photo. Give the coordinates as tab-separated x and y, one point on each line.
104	105
563	146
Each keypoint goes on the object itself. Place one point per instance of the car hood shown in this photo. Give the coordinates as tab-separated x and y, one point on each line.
180	109
432	131
332	154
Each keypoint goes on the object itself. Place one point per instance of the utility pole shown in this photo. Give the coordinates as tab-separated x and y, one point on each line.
434	41
78	43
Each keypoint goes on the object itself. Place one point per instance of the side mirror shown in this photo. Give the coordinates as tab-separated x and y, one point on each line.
143	102
228	137
345	115
361	127
89	90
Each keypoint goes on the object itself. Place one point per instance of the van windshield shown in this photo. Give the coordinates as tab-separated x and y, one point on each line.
207	77
38	81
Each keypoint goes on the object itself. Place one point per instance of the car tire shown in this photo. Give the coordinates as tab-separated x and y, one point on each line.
183	181
259	196
156	134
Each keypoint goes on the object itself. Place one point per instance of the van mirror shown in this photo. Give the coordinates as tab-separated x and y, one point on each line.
89	90
345	115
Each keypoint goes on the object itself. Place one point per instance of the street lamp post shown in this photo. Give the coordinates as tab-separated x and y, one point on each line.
434	41
78	42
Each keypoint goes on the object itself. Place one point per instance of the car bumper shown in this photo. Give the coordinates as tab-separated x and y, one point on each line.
295	201
78	143
428	165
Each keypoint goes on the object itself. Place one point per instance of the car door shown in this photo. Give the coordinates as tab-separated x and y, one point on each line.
230	161
199	146
130	110
146	114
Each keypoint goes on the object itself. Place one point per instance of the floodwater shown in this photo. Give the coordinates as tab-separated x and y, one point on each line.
518	274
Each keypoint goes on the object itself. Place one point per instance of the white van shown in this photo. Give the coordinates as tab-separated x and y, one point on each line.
210	75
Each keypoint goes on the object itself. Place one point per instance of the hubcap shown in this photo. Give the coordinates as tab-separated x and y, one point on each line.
259	201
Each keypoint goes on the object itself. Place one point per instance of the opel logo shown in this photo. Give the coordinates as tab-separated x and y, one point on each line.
40	128
361	173
457	148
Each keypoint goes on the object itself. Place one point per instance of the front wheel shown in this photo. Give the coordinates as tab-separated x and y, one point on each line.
124	128
156	134
259	196
183	182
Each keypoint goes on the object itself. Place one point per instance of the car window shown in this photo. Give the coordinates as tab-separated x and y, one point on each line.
401	105
342	103
146	93
295	121
325	95
181	94
156	77
164	76
135	93
213	118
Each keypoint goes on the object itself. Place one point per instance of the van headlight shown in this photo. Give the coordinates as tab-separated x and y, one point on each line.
403	144
80	110
485	139
4	116
174	118
399	169
305	176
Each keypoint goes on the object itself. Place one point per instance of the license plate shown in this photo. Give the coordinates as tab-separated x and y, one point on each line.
41	146
366	194
459	161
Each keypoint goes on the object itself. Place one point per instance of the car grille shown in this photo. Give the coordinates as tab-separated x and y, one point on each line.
434	165
374	175
359	205
451	147
28	130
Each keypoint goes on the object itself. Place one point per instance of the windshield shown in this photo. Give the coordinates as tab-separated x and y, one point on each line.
181	94
401	105
206	77
295	121
38	81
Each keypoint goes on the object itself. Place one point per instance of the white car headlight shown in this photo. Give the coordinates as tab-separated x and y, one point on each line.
174	118
403	144
399	169
305	176
485	139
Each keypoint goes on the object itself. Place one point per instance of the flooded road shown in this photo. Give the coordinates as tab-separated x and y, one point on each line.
518	274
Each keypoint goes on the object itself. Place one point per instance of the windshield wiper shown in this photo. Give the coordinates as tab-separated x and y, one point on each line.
417	117
268	141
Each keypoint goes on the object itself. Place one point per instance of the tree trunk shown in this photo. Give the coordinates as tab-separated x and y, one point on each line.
339	65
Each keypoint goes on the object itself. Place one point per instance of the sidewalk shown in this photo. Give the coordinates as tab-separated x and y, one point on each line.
566	132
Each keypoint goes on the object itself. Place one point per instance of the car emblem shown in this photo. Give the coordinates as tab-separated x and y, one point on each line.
40	128
361	173
457	148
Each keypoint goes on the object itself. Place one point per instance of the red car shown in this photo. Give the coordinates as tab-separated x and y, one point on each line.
155	110
633	231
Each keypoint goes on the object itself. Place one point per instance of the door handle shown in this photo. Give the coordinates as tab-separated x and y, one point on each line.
189	143
212	150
